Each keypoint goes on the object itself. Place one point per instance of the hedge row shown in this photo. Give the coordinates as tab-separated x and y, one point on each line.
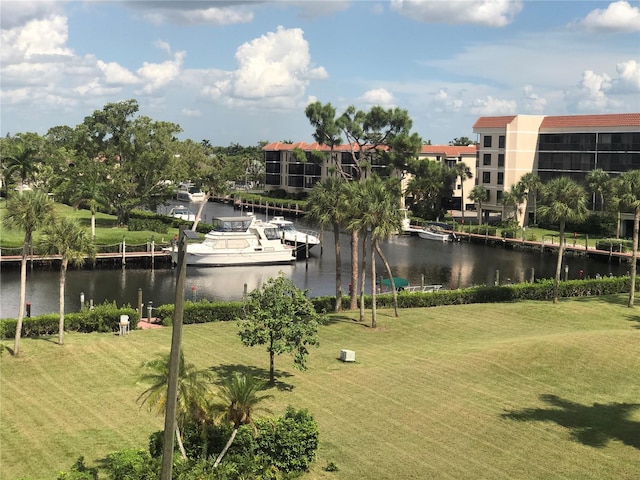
103	318
106	317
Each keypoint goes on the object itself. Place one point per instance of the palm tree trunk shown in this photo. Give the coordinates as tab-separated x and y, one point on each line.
363	276
226	447
200	209
336	239
462	201
634	259
353	290
556	281
388	268
271	362
63	276
183	452
373	283
23	296
479	213
93	224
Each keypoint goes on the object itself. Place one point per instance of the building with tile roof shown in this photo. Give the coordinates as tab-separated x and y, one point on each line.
552	146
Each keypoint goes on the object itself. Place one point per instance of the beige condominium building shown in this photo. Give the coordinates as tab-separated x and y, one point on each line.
297	167
551	146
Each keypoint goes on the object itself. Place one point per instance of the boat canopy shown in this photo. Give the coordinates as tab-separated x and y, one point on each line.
399	282
232	224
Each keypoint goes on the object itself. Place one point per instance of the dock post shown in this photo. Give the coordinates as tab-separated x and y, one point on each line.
533	275
124	252
497	278
140	302
153	253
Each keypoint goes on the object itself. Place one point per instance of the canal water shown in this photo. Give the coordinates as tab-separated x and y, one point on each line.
428	262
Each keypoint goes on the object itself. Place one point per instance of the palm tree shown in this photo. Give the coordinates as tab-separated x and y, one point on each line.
193	390
563	200
479	195
69	240
514	198
531	183
382	218
21	159
26	211
238	399
628	193
462	171
89	186
597	182
328	207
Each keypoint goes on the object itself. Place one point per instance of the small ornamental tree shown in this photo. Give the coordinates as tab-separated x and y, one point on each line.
280	316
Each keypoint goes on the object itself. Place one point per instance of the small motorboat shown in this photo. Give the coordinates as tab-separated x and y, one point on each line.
183	213
301	240
188	192
438	234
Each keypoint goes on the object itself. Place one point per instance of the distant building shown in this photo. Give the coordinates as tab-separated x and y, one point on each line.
297	167
552	146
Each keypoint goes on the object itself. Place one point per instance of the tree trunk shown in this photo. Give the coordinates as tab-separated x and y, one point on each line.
200	209
634	259
336	239
63	276
363	276
93	224
556	281
226	447
479	213
23	296
373	283
183	452
353	286
271	363
393	285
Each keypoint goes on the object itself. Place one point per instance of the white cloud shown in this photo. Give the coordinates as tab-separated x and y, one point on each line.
490	13
187	112
116	74
590	94
490	106
628	80
17	13
617	17
275	68
37	38
379	96
532	103
158	75
193	13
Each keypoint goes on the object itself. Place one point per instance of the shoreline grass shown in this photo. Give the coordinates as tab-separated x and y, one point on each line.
527	390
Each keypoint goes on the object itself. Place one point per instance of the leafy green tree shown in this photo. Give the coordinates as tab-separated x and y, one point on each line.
193	390
323	119
531	183
280	316
628	193
26	211
461	141
479	195
21	158
429	185
563	200
238	398
68	239
327	207
462	171
598	183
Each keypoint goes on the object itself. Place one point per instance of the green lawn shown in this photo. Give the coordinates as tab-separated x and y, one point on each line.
527	390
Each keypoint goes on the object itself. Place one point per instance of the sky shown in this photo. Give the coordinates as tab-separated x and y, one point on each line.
243	71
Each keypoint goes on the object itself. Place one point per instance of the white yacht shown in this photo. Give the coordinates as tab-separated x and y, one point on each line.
238	241
301	240
183	213
188	192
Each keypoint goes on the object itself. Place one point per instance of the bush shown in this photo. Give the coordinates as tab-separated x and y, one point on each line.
102	318
131	465
614	245
204	311
79	471
153	225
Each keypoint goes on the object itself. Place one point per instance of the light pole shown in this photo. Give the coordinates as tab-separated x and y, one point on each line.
174	357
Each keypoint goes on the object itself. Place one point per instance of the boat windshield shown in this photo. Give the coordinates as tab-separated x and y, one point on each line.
271	233
231	224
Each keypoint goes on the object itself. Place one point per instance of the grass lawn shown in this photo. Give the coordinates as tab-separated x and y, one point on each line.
512	391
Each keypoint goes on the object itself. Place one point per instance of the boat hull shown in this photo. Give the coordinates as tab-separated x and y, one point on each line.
437	236
208	259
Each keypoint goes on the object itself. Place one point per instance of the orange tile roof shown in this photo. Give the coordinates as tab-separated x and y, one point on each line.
448	150
605	120
493	122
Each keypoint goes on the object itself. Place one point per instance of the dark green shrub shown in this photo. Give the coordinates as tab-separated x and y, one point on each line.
290	441
204	311
131	465
79	471
614	245
153	225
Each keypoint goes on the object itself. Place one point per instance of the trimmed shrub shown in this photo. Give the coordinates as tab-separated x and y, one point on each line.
204	311
131	464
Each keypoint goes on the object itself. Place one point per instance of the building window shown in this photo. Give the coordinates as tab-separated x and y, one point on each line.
486	177
486	159
501	141
501	159
500	178
499	196
487	140
488	195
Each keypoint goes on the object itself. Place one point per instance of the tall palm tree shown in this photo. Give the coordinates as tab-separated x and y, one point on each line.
531	183
382	218
597	182
238	399
462	171
628	193
479	195
193	390
563	200
21	159
69	240
89	186
327	202
514	198
26	211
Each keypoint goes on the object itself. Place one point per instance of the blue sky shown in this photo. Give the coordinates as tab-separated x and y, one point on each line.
243	72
